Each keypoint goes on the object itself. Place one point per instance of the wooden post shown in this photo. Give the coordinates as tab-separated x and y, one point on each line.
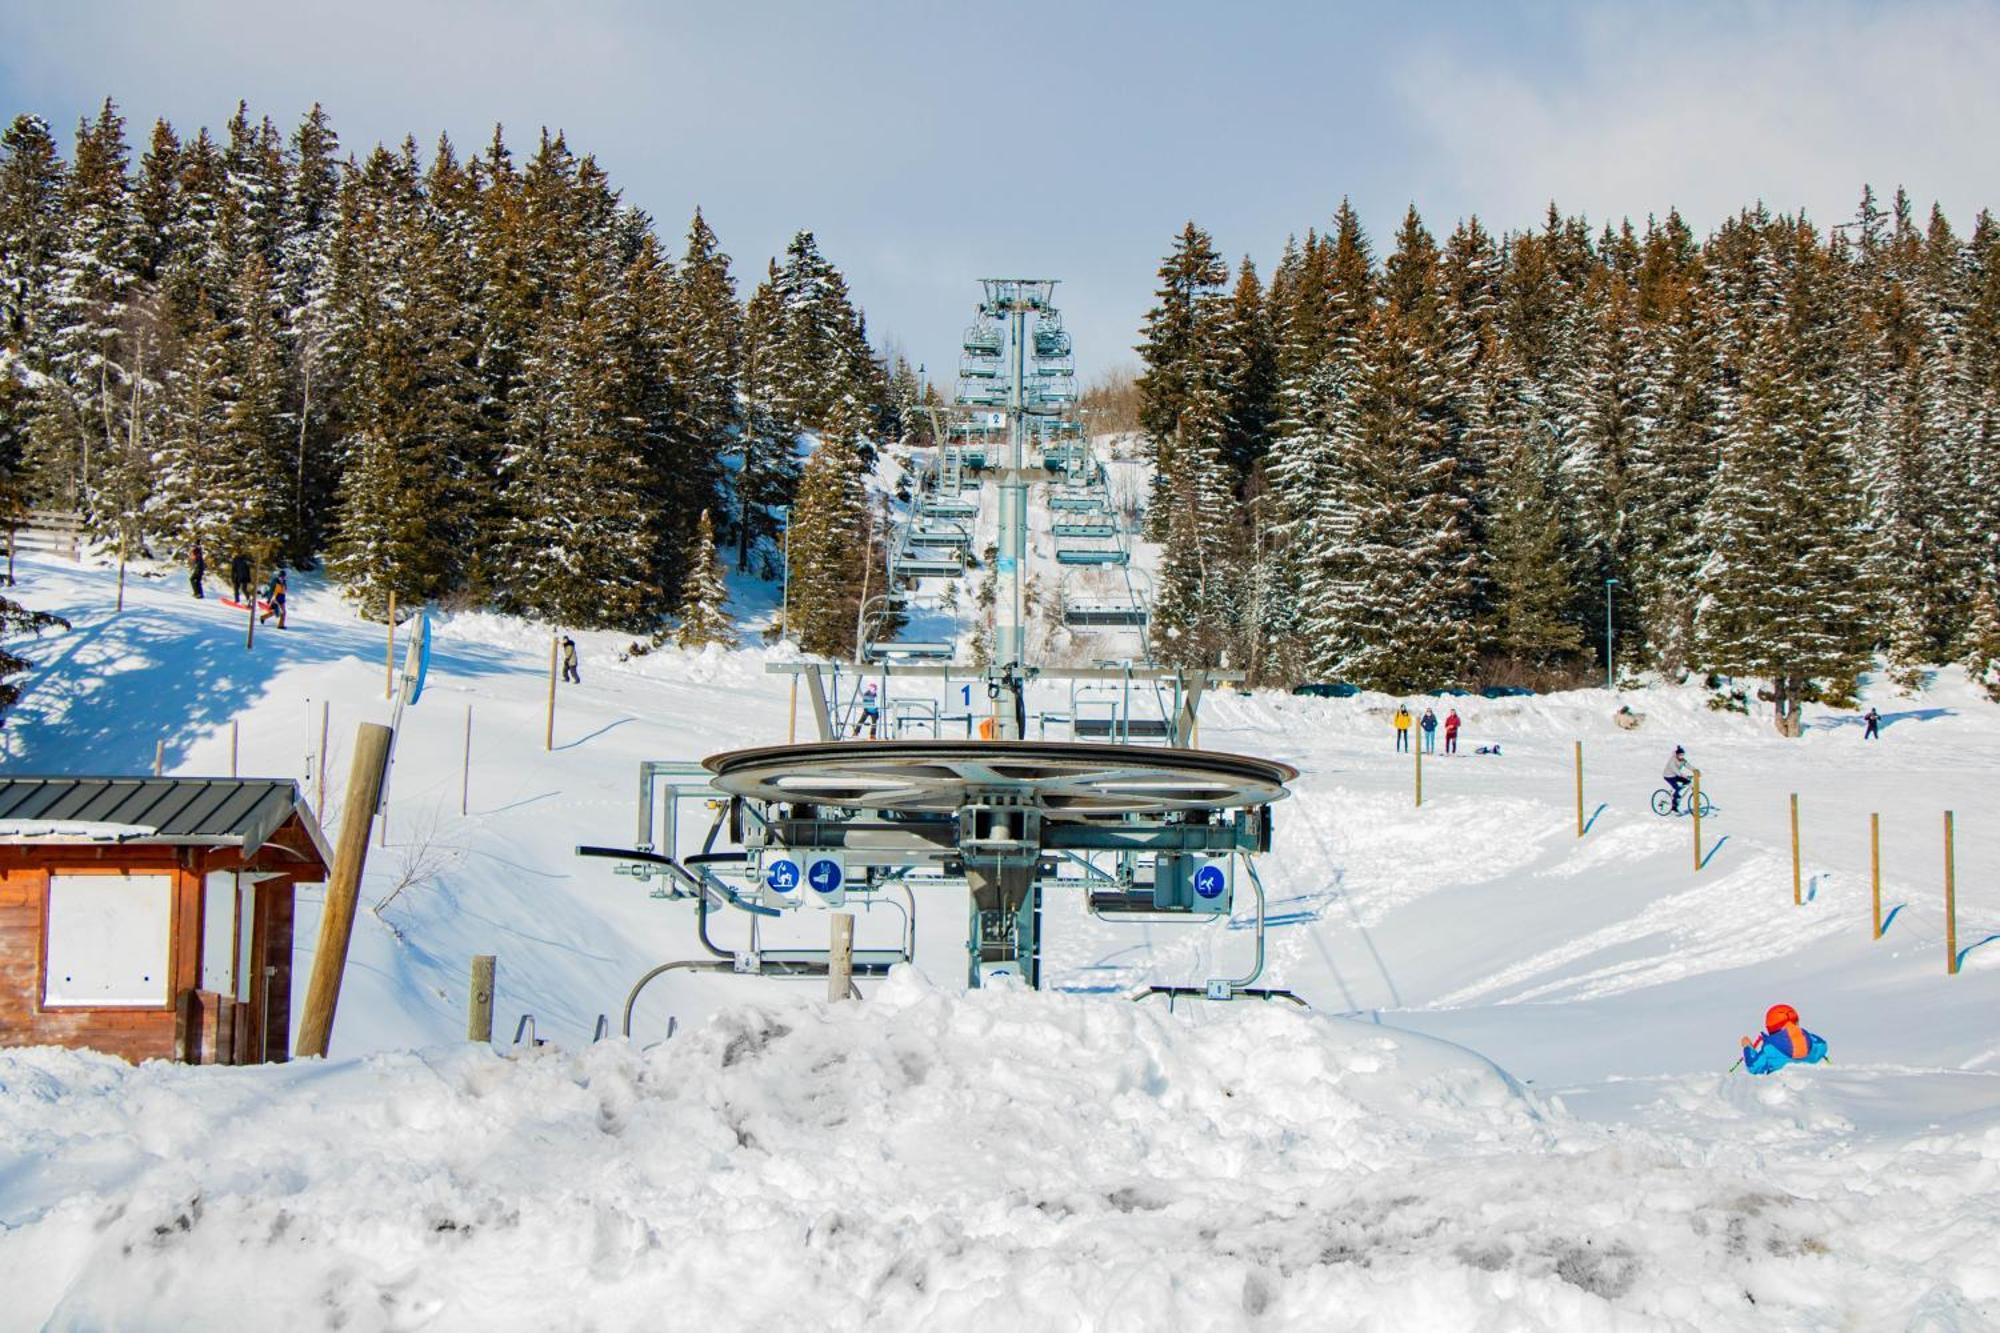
549	732
343	886
1696	798
792	727
465	769
159	756
1418	751
250	619
1579	789
1875	868
1950	904
840	958
121	575
479	1004
325	715
389	660
235	731
1797	899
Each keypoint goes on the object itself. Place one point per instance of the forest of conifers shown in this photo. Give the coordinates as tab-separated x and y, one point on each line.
1783	445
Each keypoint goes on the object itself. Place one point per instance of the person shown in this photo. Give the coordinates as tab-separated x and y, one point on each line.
1874	721
1676	773
1451	732
197	566
570	674
274	598
1784	1043
240	579
1402	728
871	714
1430	725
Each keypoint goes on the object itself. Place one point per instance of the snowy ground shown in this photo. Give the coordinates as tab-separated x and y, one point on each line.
931	1159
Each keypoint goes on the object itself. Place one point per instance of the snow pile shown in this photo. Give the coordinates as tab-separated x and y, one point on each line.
929	1160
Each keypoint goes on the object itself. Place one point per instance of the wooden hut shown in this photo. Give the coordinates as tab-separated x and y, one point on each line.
151	918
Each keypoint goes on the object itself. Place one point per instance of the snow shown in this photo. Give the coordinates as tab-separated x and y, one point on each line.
1507	1109
72	830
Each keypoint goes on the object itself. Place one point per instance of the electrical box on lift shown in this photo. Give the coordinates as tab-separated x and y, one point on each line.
1199	885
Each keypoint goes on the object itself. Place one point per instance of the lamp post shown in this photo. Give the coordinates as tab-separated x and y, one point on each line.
1609	670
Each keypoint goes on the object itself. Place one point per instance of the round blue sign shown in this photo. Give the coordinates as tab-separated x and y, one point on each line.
782	875
824	876
1209	881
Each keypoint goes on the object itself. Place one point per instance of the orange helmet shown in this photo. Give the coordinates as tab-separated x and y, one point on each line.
1778	1016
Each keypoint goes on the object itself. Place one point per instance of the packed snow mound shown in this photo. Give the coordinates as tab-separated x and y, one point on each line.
921	1160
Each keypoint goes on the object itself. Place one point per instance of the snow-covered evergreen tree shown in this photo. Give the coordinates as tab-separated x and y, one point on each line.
705	596
829	537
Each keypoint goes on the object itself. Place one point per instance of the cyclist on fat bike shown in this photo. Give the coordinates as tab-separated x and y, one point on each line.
1677	775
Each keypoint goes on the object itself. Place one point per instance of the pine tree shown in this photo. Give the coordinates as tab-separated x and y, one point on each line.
704	338
1178	350
1529	559
829	539
768	469
705	599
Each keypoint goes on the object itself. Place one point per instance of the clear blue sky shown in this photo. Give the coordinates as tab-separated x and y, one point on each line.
930	144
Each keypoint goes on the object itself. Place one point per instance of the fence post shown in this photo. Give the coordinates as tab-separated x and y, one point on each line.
1579	789
1875	868
840	958
1697	818
1950	903
1797	900
479	1004
465	770
250	620
1418	751
343	885
549	732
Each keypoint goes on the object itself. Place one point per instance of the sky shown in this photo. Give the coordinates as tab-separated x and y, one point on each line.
928	145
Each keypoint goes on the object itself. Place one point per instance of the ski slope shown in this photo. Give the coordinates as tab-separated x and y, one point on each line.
1507	1109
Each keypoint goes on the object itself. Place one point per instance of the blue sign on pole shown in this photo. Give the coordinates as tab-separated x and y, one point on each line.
1209	881
782	875
825	875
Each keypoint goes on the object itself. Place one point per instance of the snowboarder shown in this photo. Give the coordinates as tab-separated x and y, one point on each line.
197	566
1873	720
570	674
1402	728
1784	1043
241	581
1451	732
1430	725
871	715
1677	775
274	597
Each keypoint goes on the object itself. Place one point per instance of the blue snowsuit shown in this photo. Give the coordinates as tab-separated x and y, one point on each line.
1773	1051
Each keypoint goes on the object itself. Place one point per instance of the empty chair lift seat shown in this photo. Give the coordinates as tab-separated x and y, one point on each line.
911	651
1078	502
1105	614
1092	555
1079	529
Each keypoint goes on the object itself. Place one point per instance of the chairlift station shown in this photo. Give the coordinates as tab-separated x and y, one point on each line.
1117	806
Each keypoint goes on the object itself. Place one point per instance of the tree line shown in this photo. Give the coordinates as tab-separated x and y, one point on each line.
1771	453
466	378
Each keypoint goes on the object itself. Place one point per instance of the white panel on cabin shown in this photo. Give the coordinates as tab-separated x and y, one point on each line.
109	940
218	932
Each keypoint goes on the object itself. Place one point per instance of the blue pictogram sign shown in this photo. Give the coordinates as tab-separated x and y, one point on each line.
1209	881
825	876
782	875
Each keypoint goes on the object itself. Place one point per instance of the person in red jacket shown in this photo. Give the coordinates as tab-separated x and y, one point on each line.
1451	732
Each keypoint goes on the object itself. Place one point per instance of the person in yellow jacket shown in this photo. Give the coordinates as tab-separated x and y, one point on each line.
1402	728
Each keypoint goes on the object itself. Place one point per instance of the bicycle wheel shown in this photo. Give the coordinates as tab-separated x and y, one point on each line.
1707	806
1663	803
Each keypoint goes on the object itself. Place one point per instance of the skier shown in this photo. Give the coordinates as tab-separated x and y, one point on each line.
1451	732
570	674
241	581
197	566
1402	728
274	597
1676	773
1874	721
871	715
1784	1043
1430	725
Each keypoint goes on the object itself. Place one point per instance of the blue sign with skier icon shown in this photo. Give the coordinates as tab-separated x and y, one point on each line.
1209	881
825	875
782	875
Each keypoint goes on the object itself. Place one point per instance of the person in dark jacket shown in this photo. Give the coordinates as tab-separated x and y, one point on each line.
1784	1043
569	671
241	581
197	567
1430	726
1874	722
